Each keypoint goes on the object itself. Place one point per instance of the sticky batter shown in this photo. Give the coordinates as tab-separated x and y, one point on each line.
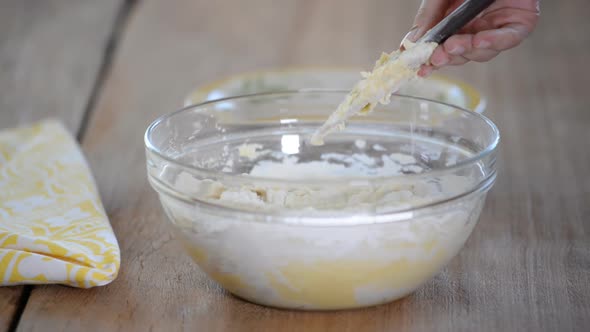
391	72
293	264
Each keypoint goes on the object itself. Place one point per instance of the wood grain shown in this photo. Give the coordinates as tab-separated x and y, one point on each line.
9	301
527	264
50	55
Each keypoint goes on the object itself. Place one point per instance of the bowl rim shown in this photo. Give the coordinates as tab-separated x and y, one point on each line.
478	101
237	178
318	218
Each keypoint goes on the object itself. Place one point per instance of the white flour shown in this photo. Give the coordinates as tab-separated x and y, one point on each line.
383	196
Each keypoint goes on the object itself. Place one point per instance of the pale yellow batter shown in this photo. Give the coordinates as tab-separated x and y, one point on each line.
390	73
321	267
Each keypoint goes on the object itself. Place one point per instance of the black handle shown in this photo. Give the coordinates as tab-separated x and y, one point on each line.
467	11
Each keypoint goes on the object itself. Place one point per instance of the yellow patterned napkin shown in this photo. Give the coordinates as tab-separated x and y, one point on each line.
53	228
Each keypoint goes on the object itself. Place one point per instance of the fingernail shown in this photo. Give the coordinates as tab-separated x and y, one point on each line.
425	72
483	44
412	34
457	50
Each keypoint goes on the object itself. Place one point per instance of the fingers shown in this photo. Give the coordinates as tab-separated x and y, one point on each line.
429	13
501	39
458	50
503	25
425	71
441	58
481	55
453	52
528	5
459	44
506	27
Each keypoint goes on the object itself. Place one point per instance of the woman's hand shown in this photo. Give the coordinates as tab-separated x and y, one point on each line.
503	25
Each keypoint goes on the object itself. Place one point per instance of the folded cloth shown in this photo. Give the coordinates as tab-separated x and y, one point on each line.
53	228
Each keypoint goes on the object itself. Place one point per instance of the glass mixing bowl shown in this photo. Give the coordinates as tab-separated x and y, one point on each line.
365	219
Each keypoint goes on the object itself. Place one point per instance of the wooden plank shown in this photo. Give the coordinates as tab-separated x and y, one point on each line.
50	55
526	267
9	301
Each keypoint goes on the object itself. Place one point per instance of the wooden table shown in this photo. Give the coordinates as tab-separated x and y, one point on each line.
107	68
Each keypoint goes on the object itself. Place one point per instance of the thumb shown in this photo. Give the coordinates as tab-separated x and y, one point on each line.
429	13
